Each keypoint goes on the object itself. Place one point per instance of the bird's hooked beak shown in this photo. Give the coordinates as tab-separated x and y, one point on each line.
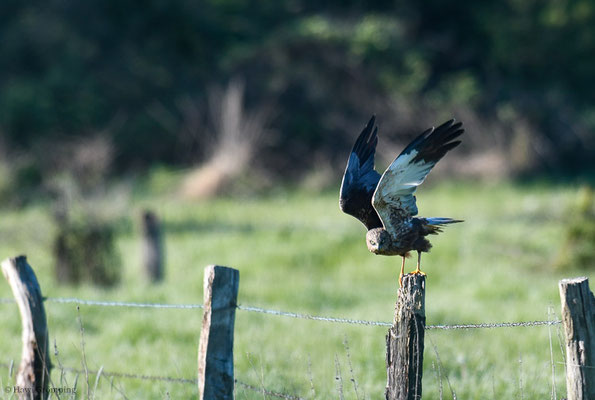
372	246
373	242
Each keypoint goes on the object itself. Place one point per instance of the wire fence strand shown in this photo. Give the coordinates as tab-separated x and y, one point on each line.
383	323
312	317
107	303
495	325
267	392
126	375
262	390
103	303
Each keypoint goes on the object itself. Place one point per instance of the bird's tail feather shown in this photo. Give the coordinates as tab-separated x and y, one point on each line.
434	225
442	221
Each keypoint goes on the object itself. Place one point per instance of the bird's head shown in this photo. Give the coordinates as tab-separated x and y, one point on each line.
378	240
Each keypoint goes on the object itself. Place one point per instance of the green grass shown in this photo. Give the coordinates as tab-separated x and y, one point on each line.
297	252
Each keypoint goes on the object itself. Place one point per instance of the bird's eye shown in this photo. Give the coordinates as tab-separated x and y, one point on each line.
373	243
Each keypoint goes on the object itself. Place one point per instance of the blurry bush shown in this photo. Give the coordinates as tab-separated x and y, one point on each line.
5	182
327	66
85	212
578	248
85	252
20	178
85	161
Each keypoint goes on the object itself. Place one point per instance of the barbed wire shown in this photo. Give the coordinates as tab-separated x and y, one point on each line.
110	303
312	317
267	392
170	379
106	303
487	325
382	323
122	375
127	375
264	391
120	303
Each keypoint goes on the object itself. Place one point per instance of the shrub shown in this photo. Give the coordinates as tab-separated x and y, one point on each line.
85	251
578	247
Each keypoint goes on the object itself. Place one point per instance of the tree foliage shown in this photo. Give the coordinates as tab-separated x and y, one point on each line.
122	68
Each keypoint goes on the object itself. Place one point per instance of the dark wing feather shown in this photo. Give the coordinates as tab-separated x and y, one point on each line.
360	178
394	199
433	144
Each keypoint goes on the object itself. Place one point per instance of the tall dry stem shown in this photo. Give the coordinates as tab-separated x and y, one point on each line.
236	135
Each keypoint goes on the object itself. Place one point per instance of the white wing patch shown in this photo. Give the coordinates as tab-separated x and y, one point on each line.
393	198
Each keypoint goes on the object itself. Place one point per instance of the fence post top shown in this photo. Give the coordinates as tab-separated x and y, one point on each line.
218	267
573	281
18	264
16	259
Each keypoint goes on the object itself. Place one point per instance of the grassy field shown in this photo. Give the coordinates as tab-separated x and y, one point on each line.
297	252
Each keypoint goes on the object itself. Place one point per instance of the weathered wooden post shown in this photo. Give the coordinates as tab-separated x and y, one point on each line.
578	318
152	246
215	351
33	375
405	341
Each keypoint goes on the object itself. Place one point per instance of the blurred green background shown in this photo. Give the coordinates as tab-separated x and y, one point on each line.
144	78
232	121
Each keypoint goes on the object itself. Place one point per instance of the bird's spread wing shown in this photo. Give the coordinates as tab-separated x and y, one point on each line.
360	178
393	198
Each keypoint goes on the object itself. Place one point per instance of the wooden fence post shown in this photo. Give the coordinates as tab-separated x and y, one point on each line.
215	351
152	246
33	375
405	341
578	318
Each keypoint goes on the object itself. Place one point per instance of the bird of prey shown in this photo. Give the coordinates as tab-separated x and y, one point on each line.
386	204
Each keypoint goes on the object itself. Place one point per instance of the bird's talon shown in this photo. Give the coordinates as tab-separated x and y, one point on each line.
418	272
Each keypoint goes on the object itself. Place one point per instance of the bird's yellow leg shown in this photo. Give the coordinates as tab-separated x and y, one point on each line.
418	270
402	272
